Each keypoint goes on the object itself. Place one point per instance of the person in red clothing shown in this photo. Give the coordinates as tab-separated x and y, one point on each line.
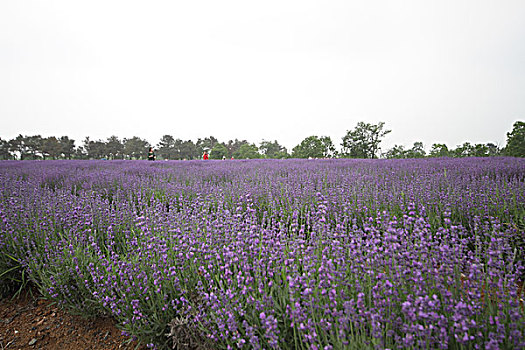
205	155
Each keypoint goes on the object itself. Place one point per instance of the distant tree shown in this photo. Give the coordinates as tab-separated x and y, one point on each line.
34	145
417	151
17	147
166	147
218	151
27	147
464	150
51	148
14	147
114	148
188	150
86	147
176	151
314	147
234	146
273	149
516	140
364	140
206	144
247	151
397	151
439	150
4	150
95	149
493	150
67	147
480	150
80	153
136	148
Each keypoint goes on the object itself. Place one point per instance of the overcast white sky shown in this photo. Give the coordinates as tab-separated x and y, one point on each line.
434	71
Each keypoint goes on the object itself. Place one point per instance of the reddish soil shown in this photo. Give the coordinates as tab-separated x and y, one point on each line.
29	322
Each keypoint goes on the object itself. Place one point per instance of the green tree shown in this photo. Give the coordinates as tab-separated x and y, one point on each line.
314	147
464	150
273	149
34	145
398	151
51	148
26	147
4	150
417	151
188	150
95	149
439	150
80	153
234	146
114	148
516	140
166	147
364	140
493	150
136	148
247	151
480	150
16	147
206	144
218	151
67	146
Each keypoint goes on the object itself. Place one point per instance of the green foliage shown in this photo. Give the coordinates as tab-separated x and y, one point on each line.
314	147
51	148
439	150
136	148
95	149
417	151
361	142
4	150
14	146
493	150
219	151
398	151
205	144
516	140
247	151
171	148
480	150
34	145
188	150
67	147
12	275
114	148
364	140
166	147
273	149
27	147
234	146
464	150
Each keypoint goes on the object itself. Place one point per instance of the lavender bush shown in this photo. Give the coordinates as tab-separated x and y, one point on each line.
327	254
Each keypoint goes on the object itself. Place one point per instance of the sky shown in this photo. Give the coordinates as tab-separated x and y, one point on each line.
446	71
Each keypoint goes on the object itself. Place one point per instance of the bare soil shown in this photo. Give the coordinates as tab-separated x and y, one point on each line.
30	322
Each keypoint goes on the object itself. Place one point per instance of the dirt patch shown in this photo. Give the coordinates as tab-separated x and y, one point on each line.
30	322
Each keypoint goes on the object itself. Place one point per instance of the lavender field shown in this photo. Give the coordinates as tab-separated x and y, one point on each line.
276	254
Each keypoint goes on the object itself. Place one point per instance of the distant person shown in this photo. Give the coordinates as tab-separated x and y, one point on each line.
151	154
205	155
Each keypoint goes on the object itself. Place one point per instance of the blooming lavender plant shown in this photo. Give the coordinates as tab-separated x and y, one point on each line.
328	254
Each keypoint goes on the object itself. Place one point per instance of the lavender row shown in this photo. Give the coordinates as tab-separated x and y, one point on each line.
328	254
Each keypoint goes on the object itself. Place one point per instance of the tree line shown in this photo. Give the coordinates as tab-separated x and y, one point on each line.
361	142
